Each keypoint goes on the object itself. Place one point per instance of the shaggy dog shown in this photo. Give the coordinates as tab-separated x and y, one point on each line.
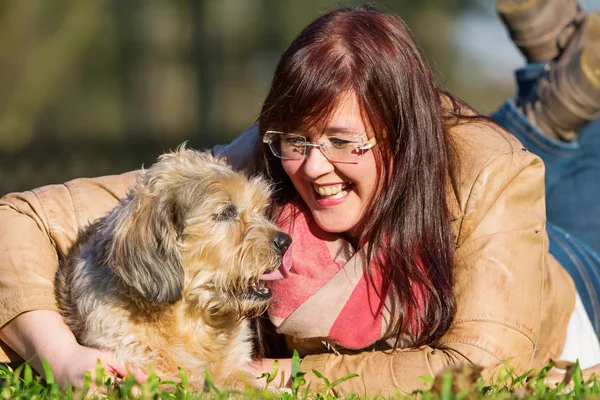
170	276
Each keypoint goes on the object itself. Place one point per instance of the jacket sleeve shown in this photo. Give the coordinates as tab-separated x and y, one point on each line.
37	229
242	153
499	279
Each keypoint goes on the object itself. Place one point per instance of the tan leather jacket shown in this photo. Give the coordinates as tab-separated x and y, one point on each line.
514	300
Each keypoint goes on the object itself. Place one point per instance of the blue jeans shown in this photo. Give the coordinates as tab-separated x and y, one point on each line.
572	190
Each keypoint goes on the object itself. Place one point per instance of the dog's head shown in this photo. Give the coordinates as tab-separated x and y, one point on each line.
192	229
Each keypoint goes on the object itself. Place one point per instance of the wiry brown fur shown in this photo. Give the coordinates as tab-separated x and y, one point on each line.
165	278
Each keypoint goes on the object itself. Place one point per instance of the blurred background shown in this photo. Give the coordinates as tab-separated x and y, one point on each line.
95	87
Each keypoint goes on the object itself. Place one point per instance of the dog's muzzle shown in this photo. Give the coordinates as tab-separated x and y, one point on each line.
281	242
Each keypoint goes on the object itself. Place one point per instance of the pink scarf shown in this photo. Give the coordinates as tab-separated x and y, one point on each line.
327	293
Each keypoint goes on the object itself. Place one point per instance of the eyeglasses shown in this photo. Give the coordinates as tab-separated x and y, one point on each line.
289	146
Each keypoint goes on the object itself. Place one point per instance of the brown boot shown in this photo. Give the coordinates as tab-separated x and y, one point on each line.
570	96
541	29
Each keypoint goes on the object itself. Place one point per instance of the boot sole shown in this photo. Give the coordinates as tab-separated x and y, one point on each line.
538	27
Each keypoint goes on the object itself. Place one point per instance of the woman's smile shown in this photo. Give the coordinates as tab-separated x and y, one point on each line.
328	195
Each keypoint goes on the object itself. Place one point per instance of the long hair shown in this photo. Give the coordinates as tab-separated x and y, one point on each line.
407	231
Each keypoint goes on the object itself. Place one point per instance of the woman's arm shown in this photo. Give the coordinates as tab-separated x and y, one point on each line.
37	228
500	278
42	334
241	154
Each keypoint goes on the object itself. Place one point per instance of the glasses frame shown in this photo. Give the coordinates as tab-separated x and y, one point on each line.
267	139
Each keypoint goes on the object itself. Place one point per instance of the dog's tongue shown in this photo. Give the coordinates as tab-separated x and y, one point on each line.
283	270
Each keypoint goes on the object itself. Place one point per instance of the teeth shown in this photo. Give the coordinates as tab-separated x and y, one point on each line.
330	190
261	290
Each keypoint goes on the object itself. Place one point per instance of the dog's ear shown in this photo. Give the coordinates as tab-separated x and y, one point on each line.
142	248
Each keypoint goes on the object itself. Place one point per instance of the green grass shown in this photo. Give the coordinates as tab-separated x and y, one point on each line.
462	382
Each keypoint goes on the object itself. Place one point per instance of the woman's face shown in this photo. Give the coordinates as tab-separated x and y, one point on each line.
337	194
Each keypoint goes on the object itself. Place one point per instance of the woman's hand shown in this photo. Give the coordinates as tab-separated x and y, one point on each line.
258	367
75	360
42	334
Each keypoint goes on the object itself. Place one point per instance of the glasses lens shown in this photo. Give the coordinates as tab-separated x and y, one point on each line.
292	146
287	146
341	150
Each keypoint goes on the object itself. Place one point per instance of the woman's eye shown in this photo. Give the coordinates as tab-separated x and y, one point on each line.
294	141
340	143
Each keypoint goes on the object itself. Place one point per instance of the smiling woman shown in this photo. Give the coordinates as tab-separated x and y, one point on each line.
418	226
359	73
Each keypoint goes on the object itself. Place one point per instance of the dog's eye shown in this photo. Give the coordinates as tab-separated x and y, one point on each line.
227	214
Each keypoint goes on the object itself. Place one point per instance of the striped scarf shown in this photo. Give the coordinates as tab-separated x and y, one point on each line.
327	293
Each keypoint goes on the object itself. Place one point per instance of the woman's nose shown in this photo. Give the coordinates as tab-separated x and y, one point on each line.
316	164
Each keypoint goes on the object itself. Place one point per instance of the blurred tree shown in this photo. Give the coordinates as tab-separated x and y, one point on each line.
99	87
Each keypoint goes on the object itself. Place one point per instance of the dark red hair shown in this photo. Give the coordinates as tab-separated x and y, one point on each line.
408	228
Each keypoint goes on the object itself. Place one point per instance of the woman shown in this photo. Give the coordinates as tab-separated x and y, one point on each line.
418	227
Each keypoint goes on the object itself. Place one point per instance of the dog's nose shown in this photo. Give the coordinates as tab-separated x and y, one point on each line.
281	242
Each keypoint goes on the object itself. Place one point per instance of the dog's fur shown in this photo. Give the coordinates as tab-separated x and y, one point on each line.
170	275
